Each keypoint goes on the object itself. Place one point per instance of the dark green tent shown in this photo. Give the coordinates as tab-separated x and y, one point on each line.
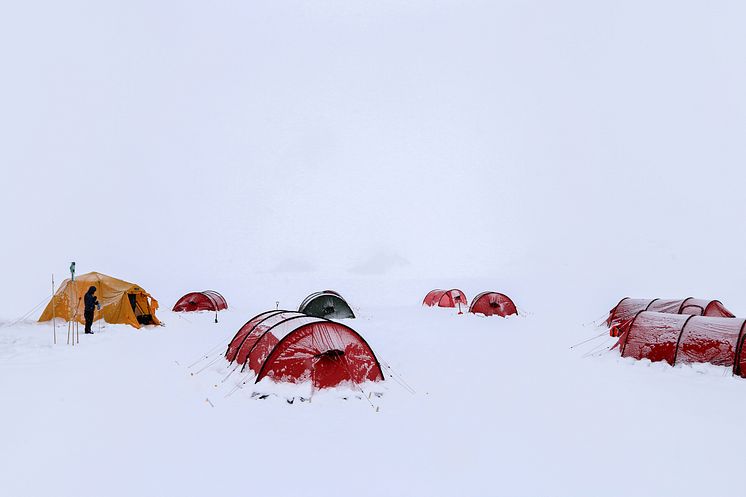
327	304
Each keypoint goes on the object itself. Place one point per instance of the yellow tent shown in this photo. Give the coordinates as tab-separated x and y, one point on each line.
121	302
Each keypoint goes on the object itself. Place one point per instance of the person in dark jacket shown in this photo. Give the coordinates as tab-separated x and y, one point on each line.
91	303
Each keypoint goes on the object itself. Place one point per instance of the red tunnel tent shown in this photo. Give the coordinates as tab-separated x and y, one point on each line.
238	349
445	298
627	308
493	304
207	300
294	347
682	338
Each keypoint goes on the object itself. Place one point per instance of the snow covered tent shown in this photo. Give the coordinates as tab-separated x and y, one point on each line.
445	298
493	304
121	302
207	300
682	338
627	308
327	304
292	347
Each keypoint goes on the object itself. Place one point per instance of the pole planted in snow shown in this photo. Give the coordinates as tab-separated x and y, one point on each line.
54	317
72	324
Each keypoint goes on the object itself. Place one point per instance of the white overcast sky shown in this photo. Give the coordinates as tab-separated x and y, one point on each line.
180	138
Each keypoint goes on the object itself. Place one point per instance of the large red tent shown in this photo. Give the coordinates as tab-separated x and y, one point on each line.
293	347
682	338
628	307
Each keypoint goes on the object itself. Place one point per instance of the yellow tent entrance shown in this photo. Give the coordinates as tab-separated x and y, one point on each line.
121	302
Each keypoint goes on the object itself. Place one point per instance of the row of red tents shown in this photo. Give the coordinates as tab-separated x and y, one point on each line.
327	304
679	331
330	304
486	303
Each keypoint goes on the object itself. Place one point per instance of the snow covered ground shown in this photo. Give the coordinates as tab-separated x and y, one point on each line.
478	406
565	153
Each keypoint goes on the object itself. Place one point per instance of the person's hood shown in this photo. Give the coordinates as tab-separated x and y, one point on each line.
92	290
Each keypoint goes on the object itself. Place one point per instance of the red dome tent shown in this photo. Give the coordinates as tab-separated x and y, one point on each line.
207	300
432	297
493	304
293	347
681	338
627	308
445	298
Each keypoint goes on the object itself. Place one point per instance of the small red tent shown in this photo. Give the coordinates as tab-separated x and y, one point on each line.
207	300
493	304
293	347
445	298
432	297
681	338
627	308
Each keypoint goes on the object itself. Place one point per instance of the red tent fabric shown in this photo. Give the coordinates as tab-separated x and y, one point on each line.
493	304
627	308
445	298
293	347
243	331
682	338
238	349
432	297
207	300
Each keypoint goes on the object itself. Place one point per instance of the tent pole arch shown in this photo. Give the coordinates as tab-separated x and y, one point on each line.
286	337
701	309
292	318
739	350
449	293
476	299
683	304
678	340
274	313
629	330
651	303
271	313
612	314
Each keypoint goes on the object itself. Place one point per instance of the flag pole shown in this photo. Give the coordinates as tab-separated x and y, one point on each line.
54	316
72	326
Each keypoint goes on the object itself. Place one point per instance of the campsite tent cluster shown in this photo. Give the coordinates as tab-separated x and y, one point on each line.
121	302
305	345
486	303
289	346
679	332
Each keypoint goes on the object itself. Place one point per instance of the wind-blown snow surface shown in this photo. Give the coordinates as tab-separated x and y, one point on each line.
479	406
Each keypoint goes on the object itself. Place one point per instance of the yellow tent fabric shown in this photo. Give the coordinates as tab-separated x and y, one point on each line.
121	302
